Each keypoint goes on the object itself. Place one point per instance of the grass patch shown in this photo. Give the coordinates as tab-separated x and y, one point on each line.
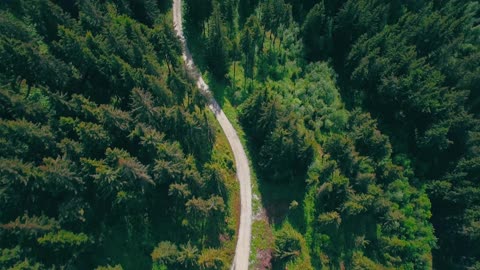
222	154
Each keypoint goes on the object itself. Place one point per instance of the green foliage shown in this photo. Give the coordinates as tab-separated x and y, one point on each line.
359	198
290	248
166	44
250	42
405	63
26	139
129	140
275	14
280	135
165	253
63	240
303	132
317	44
288	245
105	144
360	262
217	44
213	259
197	12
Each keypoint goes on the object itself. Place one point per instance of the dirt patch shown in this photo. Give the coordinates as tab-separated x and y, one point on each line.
261	215
264	259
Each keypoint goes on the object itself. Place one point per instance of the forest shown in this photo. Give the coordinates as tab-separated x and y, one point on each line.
108	158
360	119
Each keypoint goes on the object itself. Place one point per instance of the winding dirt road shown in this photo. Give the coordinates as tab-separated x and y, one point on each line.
242	251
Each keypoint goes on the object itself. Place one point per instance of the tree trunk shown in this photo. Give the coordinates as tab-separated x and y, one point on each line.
247	67
273	44
233	82
168	66
244	81
29	89
263	38
253	66
16	84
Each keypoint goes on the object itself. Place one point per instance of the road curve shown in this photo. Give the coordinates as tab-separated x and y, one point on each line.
242	251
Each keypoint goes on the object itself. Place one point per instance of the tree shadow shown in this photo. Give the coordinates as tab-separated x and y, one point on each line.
195	43
278	198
